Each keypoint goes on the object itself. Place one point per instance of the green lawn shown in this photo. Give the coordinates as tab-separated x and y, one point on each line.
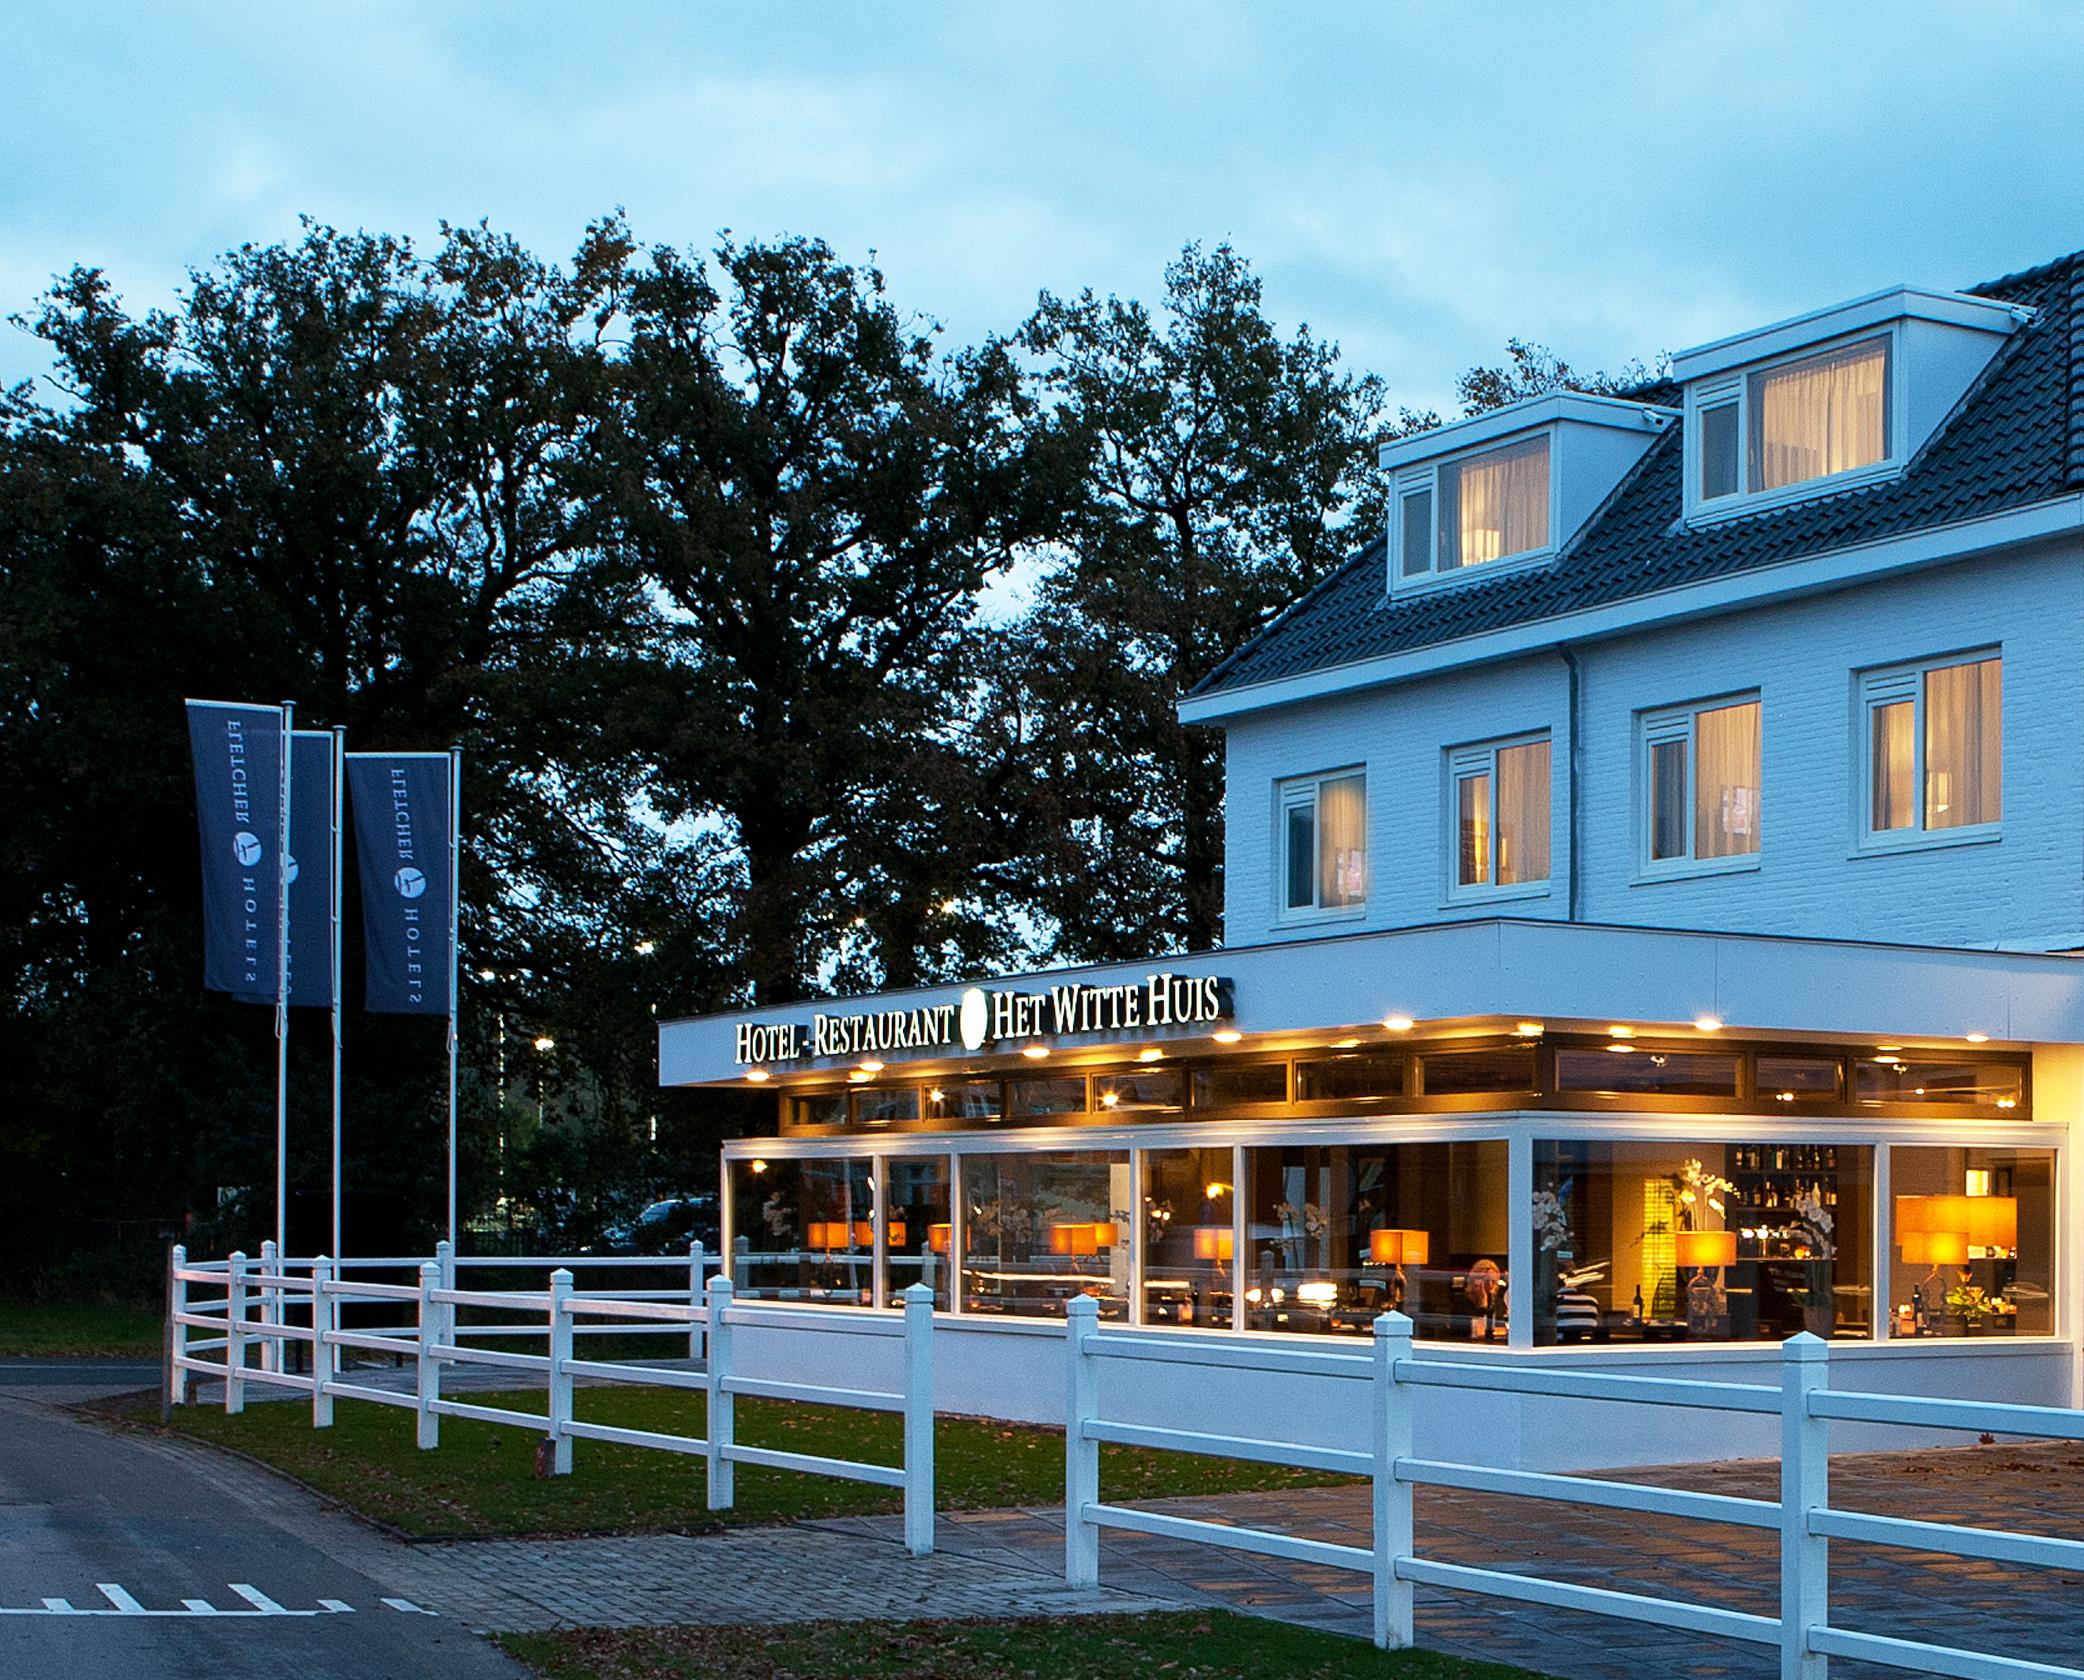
76	1328
481	1479
1182	1645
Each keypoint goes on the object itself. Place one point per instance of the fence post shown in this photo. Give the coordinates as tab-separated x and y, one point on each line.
176	1331
325	1357
694	1298
1394	1403
1081	1456
428	1434
919	1420
271	1305
234	1335
1805	1487
560	1375
723	1479
445	1258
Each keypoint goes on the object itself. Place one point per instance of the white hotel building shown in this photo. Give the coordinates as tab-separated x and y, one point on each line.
1655	872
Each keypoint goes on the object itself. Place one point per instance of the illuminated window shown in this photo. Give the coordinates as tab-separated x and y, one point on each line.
1324	844
1700	778
1499	813
1479	508
1932	737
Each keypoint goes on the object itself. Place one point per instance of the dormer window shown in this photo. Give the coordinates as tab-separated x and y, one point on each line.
1493	505
1829	401
1810	418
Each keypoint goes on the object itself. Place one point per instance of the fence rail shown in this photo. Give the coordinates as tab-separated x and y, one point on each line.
1803	1515
257	1306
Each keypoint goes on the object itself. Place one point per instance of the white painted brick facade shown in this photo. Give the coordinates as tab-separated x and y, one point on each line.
2024	890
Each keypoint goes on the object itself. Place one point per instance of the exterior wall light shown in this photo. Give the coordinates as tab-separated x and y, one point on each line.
1707	1023
1528	1029
1401	1023
1978	1038
1035	1052
1227	1036
758	1076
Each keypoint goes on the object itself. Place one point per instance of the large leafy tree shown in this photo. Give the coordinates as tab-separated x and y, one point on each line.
1226	470
816	495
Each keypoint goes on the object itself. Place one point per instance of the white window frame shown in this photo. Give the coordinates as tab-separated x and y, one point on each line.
1889	685
1426	480
1665	724
1294	791
1734	386
1481	759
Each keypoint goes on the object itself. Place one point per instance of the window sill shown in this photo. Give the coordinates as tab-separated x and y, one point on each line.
1290	921
1693	869
1765	501
1927	840
1425	582
1463	898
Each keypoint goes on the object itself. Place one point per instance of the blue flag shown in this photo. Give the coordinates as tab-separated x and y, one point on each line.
311	868
401	804
238	809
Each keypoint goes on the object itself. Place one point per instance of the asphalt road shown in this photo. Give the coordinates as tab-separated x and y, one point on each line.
121	1558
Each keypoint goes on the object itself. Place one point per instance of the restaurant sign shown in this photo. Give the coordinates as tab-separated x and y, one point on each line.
987	1017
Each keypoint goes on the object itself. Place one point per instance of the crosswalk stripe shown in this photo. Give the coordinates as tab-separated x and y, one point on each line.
60	1606
201	1607
119	1598
258	1599
410	1608
339	1606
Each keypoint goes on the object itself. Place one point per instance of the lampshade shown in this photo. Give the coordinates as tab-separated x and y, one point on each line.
1932	1213
825	1233
896	1237
1214	1242
1993	1221
1935	1248
937	1237
1084	1238
1706	1248
1395	1247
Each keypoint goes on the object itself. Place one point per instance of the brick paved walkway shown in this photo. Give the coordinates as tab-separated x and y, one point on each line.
2031	1613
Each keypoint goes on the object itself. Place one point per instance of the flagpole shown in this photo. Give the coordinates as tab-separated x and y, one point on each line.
455	957
282	996
339	854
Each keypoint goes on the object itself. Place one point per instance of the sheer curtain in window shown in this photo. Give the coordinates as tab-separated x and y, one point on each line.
1342	842
1726	781
1825	415
1473	828
1964	744
1501	505
1523	813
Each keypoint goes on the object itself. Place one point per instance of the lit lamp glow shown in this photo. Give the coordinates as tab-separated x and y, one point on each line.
1993	1222
1214	1242
1400	1248
1087	1238
1934	1248
937	1237
1702	1249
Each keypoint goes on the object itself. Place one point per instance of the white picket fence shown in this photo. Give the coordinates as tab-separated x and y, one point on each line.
1803	1515
249	1312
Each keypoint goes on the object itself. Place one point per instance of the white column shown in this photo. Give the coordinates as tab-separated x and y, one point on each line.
270	1305
176	1331
324	1355
694	1298
1519	1196
427	1434
722	1472
560	1373
1393	1403
1805	1486
918	1419
1081	1456
235	1335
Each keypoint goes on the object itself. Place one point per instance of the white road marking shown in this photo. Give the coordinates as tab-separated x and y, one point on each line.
201	1606
339	1607
258	1599
58	1607
121	1603
119	1598
410	1608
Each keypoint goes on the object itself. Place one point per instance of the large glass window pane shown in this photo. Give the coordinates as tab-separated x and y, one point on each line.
1342	838
1972	1242
1667	800
1726	781
1495	505
1690	1241
1189	1261
1472	831
1630	1070
1800	1078
873	1107
1964	744
820	1108
1822	415
1892	766
916	1243
1892	1079
1523	813
1040	1230
1341	1234
802	1230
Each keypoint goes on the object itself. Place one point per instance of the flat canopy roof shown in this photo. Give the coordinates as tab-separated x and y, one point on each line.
1474	973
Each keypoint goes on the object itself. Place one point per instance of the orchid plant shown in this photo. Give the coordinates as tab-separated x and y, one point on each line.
1698	1188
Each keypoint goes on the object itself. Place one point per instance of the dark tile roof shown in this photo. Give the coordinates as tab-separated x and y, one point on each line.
2016	438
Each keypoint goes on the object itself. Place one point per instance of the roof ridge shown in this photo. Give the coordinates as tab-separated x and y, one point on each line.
2024	277
2074	455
